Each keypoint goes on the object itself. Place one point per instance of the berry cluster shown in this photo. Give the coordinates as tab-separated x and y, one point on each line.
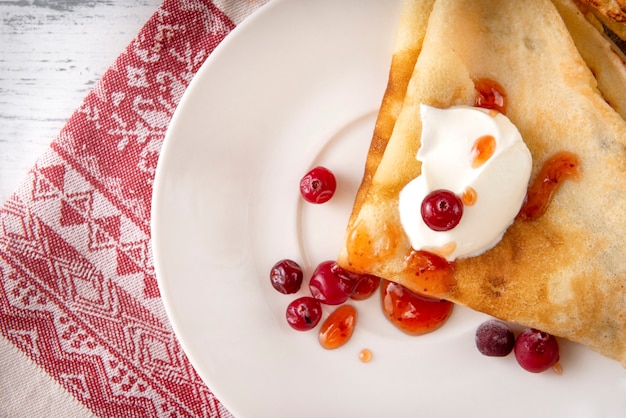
329	284
534	350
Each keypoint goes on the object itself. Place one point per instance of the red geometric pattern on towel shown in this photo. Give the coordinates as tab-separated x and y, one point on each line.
78	293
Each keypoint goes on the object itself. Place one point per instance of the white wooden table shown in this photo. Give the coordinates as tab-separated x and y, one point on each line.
52	52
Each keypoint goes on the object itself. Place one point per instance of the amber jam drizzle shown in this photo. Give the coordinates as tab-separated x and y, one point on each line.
338	327
433	274
482	150
560	167
367	252
410	312
469	196
490	95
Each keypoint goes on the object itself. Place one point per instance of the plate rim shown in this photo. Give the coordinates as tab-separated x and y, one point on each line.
159	178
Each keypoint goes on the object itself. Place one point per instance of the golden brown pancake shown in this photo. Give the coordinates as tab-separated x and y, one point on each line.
564	273
605	60
411	29
612	14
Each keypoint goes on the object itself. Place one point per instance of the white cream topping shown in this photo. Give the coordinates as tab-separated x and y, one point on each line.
500	182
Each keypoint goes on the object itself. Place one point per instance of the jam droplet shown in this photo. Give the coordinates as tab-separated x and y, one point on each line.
561	166
490	95
338	327
482	150
469	196
413	313
433	275
365	355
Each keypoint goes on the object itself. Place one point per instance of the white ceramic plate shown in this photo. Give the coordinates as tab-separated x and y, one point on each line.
296	85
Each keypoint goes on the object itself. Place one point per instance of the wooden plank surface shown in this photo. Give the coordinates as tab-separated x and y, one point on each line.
52	52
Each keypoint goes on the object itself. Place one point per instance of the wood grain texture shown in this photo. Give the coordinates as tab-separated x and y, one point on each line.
52	52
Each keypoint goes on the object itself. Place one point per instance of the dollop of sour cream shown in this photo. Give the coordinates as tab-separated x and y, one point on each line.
480	156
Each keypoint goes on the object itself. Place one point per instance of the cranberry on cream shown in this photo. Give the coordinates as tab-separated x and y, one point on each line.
480	156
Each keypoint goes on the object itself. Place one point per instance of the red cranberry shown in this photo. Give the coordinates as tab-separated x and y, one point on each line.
536	351
494	338
357	286
318	185
304	313
442	210
286	276
327	286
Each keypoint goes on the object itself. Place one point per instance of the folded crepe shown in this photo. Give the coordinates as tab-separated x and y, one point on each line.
611	14
564	273
604	58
